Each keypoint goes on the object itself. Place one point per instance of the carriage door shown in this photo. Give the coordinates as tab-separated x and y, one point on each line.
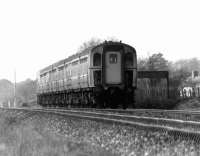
113	67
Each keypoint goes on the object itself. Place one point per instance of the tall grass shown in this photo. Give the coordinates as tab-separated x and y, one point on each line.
29	138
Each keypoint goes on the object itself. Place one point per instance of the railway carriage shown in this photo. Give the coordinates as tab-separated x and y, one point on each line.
101	76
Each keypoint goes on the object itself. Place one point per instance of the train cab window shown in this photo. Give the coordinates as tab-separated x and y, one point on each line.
97	59
113	58
129	59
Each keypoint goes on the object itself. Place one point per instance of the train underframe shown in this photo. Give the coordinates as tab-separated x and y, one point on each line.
95	97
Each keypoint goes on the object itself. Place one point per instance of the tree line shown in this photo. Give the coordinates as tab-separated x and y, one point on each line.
179	71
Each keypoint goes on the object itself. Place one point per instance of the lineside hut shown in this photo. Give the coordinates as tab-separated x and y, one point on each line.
153	88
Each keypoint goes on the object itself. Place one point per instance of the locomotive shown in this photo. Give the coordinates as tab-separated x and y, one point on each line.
102	76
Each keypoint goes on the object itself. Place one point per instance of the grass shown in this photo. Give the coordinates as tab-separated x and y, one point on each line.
154	103
54	135
189	104
31	138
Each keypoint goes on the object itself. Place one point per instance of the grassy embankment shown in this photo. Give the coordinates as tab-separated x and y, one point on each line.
30	137
23	134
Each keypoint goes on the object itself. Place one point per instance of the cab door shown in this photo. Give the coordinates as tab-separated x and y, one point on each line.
113	71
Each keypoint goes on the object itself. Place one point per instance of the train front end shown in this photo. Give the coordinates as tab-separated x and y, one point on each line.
114	74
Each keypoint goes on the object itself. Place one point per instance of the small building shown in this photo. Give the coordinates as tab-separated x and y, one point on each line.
191	88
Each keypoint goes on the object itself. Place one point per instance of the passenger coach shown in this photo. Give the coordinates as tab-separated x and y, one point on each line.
100	76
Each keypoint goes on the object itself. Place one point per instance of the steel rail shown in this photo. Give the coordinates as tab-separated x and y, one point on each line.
173	114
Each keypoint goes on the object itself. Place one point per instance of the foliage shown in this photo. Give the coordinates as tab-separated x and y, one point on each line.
25	91
93	42
179	71
142	63
23	135
6	90
155	62
187	64
88	44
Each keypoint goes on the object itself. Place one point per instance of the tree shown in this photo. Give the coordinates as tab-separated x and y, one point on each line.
26	90
88	44
178	77
142	64
180	71
95	41
157	62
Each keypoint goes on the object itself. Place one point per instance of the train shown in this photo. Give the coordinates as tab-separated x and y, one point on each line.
101	76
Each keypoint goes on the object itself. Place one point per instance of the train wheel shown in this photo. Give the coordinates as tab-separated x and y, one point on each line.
124	104
99	102
130	99
99	96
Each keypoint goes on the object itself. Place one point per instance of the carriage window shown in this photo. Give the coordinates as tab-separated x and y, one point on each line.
113	58
129	59
43	75
97	59
83	60
60	68
74	63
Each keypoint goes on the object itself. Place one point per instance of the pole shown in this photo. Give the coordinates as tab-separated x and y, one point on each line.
14	103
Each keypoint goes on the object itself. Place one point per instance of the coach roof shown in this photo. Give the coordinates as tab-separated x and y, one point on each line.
79	54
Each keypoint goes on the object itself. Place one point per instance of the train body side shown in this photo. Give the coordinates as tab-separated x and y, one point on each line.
66	75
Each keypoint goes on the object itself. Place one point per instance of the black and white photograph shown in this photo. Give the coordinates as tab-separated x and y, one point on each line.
99	78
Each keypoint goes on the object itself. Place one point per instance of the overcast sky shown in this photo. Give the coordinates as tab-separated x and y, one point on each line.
37	33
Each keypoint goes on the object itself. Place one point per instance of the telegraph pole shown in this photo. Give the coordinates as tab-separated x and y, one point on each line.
14	103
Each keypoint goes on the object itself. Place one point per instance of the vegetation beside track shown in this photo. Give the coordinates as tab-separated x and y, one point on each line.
46	134
189	104
24	134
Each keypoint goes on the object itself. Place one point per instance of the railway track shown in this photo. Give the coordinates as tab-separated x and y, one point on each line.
178	127
169	114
